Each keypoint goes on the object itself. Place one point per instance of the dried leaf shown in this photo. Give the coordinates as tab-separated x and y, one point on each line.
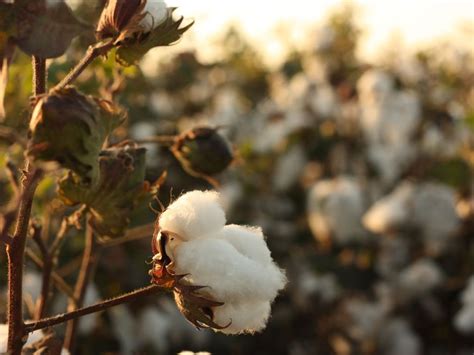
47	32
166	34
117	15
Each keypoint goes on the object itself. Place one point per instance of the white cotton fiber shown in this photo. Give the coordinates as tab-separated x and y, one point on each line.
196	214
246	317
230	275
248	241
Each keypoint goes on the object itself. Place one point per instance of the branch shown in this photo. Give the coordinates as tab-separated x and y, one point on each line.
165	141
99	307
40	308
88	263
15	253
39	76
58	281
133	234
92	53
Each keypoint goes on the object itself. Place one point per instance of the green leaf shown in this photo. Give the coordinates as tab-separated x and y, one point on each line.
48	31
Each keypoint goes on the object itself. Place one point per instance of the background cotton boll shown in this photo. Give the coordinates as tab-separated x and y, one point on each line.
419	278
193	215
374	86
153	328
434	211
335	208
32	338
246	317
157	12
391	211
124	327
289	168
248	241
464	319
397	338
229	275
367	318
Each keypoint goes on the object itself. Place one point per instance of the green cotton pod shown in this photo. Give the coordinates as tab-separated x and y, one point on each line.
120	186
131	50
203	151
71	128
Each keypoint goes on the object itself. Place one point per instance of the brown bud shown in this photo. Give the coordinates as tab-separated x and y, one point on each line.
117	16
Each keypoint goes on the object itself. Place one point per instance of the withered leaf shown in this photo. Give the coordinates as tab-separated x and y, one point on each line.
166	34
47	32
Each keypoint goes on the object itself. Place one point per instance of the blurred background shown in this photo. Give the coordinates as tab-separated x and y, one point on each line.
352	125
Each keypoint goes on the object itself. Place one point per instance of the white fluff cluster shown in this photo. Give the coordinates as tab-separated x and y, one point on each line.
335	209
464	320
429	207
419	279
389	118
156	13
233	261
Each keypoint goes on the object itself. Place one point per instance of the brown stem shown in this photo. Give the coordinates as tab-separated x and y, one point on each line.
88	263
40	308
92	53
58	281
145	231
15	253
165	141
99	307
39	76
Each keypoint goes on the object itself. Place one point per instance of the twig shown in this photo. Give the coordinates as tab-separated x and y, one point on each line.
88	263
92	53
40	308
166	141
39	76
99	307
15	253
58	281
131	235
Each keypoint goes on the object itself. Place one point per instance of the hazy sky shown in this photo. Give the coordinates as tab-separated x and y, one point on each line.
416	21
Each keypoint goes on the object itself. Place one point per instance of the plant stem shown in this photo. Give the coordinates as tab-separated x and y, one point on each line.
15	253
99	307
40	308
88	263
39	76
92	53
58	281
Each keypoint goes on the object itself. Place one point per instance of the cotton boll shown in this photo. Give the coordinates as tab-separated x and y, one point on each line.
419	279
124	327
374	85
195	214
397	338
153	328
88	323
248	241
390	212
464	319
335	208
156	13
289	168
367	318
230	275
32	284
246	317
32	338
434	211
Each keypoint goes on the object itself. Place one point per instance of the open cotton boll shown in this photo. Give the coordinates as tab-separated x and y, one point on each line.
246	317
195	214
391	211
248	241
335	208
464	319
229	275
156	13
419	279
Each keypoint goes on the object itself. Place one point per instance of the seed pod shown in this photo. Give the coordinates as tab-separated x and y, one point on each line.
203	152
71	128
120	186
119	16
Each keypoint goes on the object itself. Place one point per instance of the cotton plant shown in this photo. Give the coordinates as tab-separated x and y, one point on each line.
224	275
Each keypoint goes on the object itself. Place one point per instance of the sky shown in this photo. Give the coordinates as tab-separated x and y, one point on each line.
415	22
